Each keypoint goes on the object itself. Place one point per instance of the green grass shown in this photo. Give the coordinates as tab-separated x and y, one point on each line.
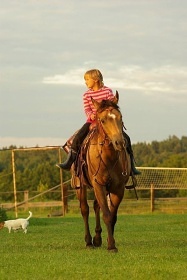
150	247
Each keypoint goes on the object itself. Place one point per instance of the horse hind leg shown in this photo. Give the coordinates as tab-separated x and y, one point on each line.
97	240
85	215
82	196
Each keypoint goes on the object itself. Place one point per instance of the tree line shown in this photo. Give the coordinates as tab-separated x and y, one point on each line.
37	171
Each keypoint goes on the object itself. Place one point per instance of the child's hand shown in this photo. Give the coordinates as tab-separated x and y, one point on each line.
92	117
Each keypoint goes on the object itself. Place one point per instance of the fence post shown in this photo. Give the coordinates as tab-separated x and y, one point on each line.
26	198
61	184
14	183
152	197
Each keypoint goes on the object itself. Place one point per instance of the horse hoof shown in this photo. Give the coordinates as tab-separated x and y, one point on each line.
90	246
97	242
114	250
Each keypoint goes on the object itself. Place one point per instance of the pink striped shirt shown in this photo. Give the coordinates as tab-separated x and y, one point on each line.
103	93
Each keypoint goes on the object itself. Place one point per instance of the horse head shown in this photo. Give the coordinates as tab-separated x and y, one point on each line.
109	120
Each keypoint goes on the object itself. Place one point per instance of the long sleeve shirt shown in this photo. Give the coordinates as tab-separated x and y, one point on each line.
103	93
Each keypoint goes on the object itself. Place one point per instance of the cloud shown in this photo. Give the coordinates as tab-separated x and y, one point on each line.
72	77
165	79
46	47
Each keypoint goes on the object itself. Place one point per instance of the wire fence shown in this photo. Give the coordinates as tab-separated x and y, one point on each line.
150	181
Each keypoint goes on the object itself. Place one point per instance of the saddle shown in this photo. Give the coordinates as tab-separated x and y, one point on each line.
79	167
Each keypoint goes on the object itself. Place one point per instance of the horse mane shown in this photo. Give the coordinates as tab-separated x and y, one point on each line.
104	104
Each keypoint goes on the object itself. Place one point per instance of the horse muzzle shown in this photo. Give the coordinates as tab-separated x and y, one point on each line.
118	144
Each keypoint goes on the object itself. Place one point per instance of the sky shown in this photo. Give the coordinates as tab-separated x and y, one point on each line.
140	46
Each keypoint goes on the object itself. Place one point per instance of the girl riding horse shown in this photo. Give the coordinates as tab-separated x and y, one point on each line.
98	91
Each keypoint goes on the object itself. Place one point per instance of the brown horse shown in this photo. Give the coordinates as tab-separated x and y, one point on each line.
107	167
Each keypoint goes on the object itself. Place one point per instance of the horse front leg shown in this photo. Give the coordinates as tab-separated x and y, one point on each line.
115	201
82	196
108	220
97	240
107	217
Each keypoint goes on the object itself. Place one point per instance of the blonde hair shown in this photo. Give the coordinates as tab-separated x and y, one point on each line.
95	74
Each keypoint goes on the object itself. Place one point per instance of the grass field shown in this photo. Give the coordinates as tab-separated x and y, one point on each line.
150	247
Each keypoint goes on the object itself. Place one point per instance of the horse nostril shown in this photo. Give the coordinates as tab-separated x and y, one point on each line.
118	144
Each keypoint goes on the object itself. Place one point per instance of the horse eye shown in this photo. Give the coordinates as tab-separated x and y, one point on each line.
102	121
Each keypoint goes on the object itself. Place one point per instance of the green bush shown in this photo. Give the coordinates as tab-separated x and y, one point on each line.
3	216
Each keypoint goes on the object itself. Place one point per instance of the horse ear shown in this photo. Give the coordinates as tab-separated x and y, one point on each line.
95	103
116	97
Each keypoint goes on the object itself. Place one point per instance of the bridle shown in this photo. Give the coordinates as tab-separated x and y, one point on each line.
99	121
